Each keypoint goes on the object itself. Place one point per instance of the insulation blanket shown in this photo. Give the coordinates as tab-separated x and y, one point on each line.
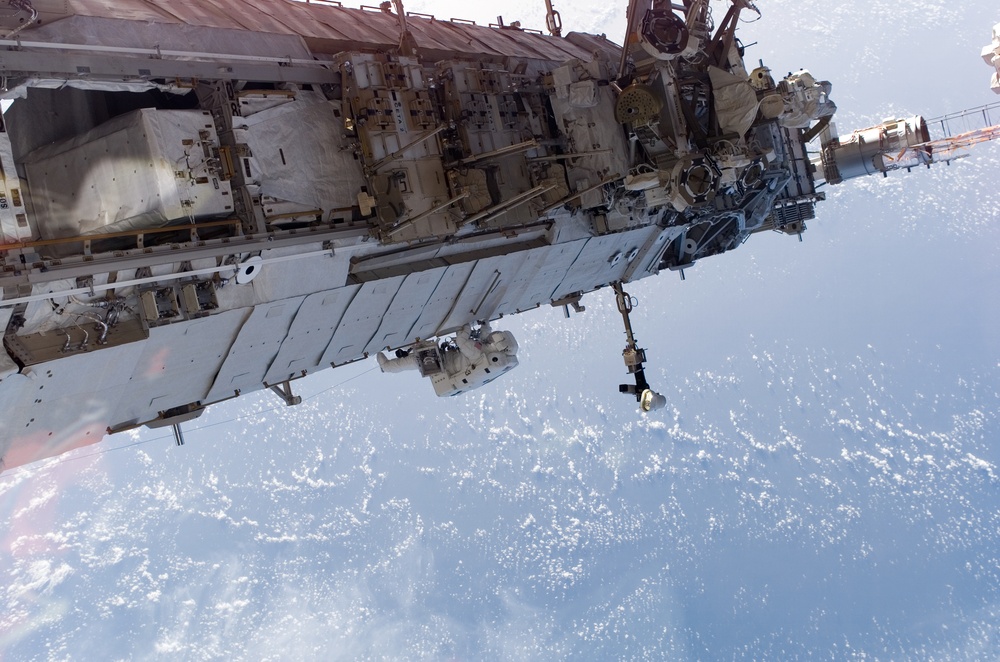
139	170
298	154
735	101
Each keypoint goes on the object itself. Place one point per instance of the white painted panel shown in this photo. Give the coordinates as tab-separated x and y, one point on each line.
301	277
593	267
511	267
520	280
557	264
361	321
442	302
485	289
405	309
647	262
179	363
588	267
255	348
313	327
535	281
64	404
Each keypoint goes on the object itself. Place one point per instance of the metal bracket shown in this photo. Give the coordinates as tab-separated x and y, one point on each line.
573	300
284	391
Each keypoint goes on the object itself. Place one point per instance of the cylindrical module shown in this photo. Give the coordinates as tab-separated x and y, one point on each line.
878	149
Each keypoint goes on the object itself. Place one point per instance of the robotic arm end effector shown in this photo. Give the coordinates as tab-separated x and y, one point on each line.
650	400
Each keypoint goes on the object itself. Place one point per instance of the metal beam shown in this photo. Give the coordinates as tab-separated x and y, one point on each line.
83	66
55	270
152	52
177	275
